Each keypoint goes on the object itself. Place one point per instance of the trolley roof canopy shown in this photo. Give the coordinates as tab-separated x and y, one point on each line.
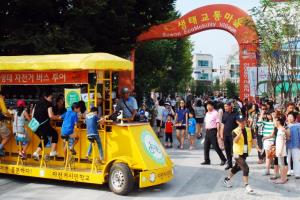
68	62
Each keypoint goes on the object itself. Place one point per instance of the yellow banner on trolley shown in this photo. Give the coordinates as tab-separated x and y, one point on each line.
72	96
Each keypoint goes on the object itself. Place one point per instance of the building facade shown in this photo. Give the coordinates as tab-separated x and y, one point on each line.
203	67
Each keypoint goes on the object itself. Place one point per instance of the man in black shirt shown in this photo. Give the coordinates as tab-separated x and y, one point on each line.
228	125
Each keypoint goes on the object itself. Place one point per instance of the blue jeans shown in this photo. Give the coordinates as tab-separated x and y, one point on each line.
98	140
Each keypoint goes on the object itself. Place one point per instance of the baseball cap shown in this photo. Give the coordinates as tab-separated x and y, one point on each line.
167	104
125	90
240	118
21	103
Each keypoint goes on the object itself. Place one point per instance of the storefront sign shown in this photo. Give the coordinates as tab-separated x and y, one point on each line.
44	78
72	96
252	78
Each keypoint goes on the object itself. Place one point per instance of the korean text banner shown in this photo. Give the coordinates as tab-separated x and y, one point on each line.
44	78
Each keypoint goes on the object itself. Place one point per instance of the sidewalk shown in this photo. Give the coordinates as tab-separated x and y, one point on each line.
192	181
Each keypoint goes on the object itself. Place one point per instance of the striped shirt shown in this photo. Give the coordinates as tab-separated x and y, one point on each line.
267	128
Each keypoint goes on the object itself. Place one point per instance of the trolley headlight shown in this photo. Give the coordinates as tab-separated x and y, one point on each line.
152	177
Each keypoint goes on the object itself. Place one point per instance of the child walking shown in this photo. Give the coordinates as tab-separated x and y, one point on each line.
192	129
20	117
169	132
70	120
281	150
92	131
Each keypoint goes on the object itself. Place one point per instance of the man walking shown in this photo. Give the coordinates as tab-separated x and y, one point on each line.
228	125
212	126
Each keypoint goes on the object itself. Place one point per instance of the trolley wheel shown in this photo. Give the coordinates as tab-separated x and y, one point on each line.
121	180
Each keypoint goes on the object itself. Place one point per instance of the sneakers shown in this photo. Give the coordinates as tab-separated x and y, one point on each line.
249	190
22	155
290	173
53	153
36	156
227	183
205	163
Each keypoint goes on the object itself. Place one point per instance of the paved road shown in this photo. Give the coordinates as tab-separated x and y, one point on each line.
191	181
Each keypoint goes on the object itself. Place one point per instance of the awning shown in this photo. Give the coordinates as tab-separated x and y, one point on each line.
68	62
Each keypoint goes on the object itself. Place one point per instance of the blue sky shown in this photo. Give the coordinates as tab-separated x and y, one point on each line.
216	42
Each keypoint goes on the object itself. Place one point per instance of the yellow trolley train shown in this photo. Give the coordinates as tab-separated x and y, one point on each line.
132	151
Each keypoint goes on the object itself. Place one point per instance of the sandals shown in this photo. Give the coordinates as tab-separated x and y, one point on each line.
274	177
281	182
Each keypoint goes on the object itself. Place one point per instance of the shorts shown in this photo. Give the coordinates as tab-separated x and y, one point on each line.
192	134
180	127
72	138
158	123
22	137
163	125
4	131
200	120
281	161
267	145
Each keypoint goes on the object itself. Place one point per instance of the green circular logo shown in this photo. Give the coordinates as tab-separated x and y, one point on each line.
72	97
152	148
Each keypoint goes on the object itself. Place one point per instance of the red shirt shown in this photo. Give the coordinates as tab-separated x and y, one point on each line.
169	127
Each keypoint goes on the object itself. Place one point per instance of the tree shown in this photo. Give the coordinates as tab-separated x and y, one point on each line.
217	86
164	66
279	31
231	89
74	26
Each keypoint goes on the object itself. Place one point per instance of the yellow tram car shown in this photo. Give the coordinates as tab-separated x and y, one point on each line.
132	151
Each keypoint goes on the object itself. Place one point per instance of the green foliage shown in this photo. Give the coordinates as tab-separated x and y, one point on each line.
164	65
217	85
77	26
70	26
231	89
279	30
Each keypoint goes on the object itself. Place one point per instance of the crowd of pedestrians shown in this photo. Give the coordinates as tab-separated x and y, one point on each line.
236	126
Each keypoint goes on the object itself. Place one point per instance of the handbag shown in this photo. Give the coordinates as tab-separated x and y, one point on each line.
272	153
35	124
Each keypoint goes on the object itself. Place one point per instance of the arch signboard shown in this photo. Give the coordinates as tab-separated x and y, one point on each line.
217	16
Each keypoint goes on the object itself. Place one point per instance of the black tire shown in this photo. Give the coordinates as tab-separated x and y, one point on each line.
121	180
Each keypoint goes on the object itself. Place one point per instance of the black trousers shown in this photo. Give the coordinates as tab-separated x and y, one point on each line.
169	137
211	139
228	144
260	145
240	164
45	131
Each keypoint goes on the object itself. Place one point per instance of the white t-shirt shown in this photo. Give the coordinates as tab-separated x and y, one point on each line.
281	142
199	112
159	112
